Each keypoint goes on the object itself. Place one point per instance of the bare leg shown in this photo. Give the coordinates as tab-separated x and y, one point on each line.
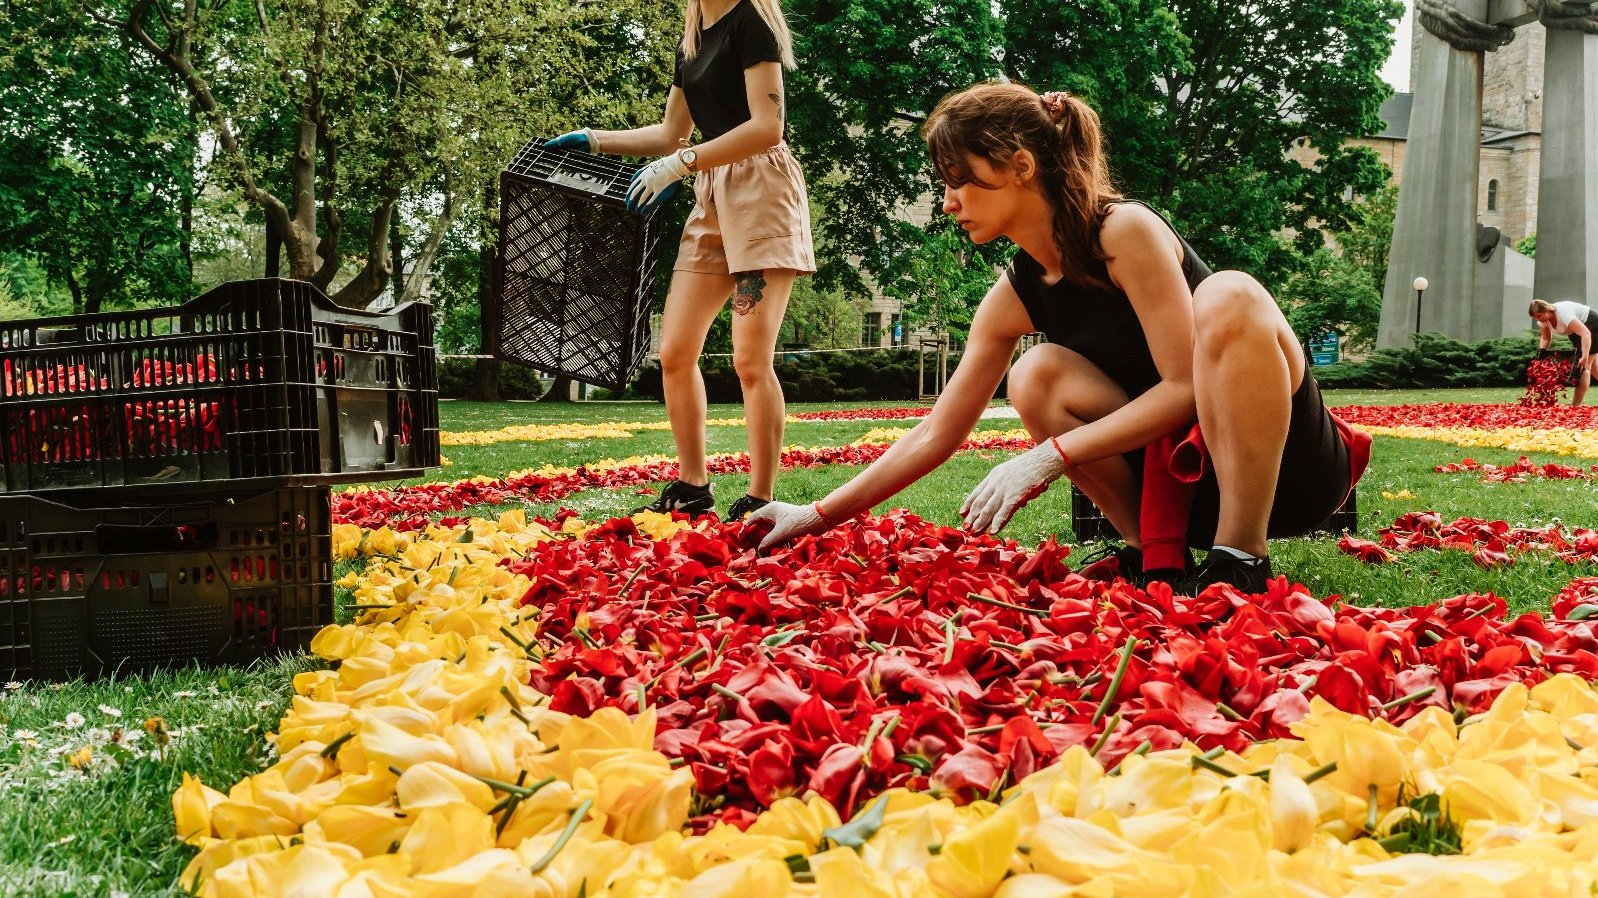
1583	382
1056	390
1246	366
764	294
691	305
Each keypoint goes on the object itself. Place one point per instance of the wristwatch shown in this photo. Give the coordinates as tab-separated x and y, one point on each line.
689	157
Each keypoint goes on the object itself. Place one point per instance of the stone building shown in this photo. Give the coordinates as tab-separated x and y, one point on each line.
1511	133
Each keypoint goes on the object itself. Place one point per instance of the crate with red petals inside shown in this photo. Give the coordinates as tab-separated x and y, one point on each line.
254	385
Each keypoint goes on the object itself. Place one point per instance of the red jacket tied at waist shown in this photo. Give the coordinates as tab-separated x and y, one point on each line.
1171	467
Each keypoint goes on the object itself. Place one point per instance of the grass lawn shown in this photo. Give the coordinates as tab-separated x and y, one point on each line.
108	831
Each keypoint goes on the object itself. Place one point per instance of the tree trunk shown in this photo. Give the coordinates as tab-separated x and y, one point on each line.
396	250
560	391
274	251
486	386
77	292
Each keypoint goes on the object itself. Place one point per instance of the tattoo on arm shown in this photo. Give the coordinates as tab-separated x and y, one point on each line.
777	98
749	290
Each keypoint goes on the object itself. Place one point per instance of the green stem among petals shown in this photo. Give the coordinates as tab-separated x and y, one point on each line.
565	836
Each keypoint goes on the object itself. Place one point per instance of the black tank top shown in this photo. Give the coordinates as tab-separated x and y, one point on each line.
1097	322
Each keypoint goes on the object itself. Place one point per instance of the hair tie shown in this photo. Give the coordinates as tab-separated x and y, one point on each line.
1054	104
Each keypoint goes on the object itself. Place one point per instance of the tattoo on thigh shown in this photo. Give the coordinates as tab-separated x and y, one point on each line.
749	291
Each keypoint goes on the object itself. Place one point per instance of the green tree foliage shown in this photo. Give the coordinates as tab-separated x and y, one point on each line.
1209	108
1527	246
97	155
821	318
339	118
869	71
940	280
1367	236
1332	292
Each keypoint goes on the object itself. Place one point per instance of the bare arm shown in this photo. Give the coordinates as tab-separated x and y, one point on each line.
763	87
651	140
1581	330
1547	335
763	130
1145	261
1000	321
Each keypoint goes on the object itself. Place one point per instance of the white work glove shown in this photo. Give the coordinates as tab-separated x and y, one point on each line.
789	522
655	183
1011	485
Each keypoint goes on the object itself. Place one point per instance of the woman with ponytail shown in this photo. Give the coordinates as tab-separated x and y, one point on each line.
1143	340
1577	321
748	236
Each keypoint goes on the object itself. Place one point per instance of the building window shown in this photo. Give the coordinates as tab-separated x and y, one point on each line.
871	329
1492	195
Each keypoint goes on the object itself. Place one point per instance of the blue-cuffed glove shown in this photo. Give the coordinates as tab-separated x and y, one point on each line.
655	183
572	140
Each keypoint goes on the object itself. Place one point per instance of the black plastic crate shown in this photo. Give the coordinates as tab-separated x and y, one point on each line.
257	384
98	590
576	268
1090	524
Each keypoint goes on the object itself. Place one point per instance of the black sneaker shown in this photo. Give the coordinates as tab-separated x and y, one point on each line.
1223	567
1112	561
685	498
1126	562
744	506
1171	575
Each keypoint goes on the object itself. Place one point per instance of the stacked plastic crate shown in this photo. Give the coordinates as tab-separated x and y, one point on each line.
166	472
576	267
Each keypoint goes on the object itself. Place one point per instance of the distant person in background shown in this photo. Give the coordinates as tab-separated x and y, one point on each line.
748	236
1576	321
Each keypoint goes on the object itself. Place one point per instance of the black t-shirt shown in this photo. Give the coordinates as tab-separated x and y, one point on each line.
713	81
1099	323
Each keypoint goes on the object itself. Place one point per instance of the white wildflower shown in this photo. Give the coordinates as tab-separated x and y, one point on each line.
73	720
110	711
13	686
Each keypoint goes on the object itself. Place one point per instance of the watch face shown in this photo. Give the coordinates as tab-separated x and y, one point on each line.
689	157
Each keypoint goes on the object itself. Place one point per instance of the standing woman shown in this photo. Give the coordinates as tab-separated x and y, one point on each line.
1576	321
748	236
1143	339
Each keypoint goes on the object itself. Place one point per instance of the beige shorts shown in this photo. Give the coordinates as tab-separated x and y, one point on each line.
752	215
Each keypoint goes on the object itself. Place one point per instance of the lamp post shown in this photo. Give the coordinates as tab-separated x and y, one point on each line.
1420	286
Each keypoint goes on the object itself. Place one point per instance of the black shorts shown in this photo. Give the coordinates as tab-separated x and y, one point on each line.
1310	485
1592	327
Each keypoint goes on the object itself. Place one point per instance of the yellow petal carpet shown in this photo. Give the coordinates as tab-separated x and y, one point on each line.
1557	441
421	764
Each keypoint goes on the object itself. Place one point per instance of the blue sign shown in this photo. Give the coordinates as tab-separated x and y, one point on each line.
1324	349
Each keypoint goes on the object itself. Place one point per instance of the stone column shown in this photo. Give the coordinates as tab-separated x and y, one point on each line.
1434	233
1567	217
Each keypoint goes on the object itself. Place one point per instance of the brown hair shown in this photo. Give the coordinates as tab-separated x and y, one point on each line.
1538	306
995	121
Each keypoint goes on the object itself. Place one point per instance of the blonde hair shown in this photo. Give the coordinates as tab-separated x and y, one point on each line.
770	11
1539	306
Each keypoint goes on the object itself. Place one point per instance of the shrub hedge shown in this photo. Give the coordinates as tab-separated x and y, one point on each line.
821	377
1436	361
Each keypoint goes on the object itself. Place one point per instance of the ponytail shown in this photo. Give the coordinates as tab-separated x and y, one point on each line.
770	12
995	121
